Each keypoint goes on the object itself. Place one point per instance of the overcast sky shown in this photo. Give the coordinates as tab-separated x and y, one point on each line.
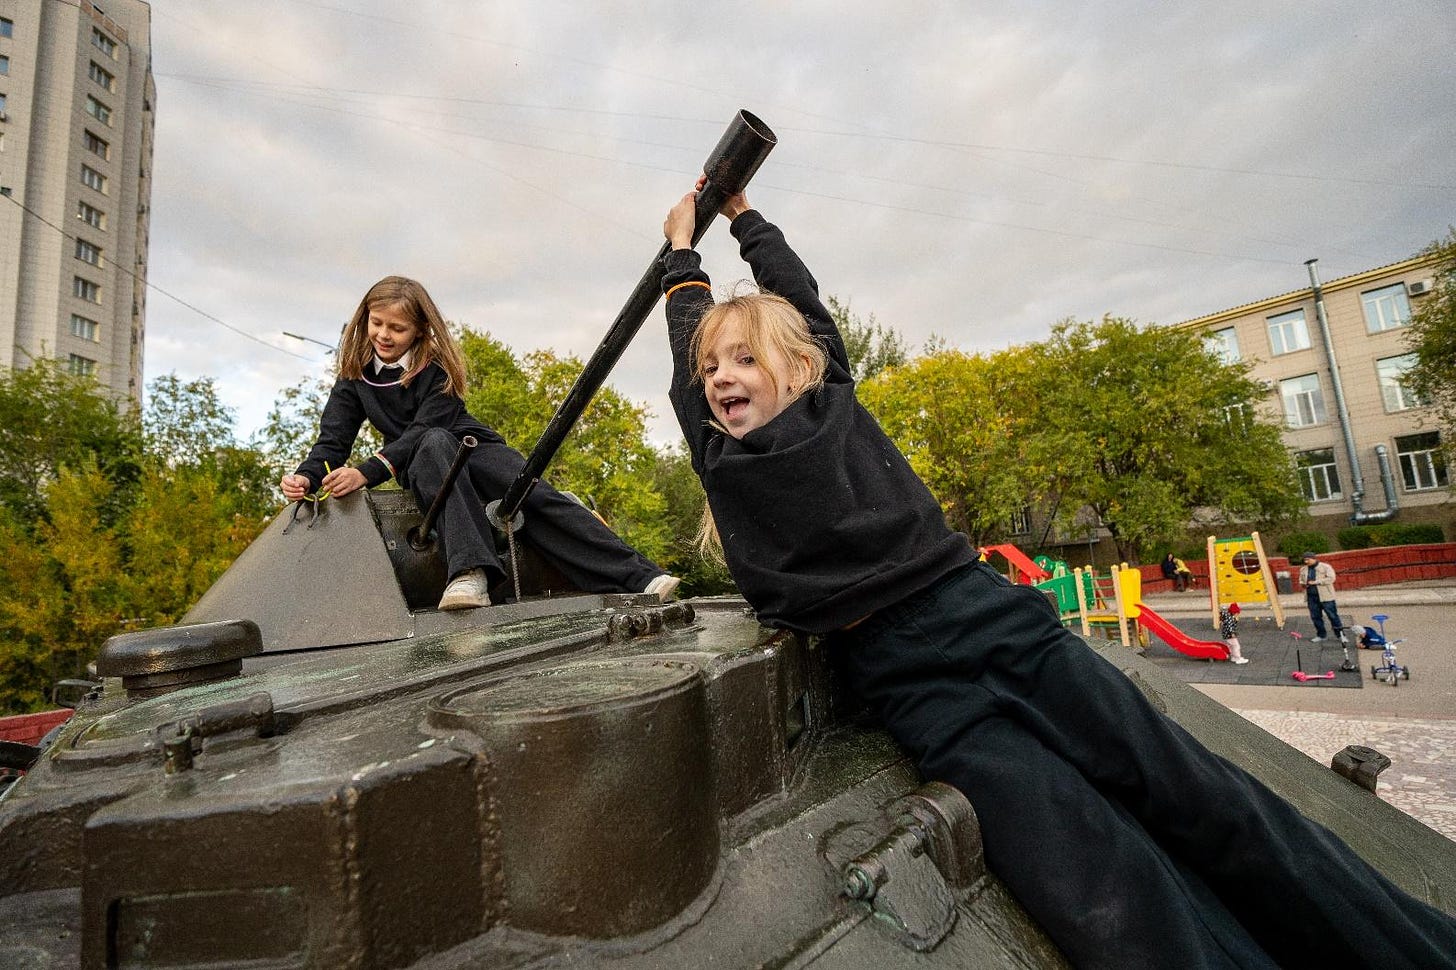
972	170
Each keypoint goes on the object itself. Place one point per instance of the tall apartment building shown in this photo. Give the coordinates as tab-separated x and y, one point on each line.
77	106
1362	441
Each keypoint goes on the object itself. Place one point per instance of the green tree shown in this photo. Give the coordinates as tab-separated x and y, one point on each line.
605	460
186	426
955	417
871	347
292	425
50	420
100	552
674	479
1153	432
1432	337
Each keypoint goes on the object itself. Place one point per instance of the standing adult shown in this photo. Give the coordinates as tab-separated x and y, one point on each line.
1319	595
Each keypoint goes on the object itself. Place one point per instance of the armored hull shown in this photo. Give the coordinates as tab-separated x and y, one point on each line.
570	780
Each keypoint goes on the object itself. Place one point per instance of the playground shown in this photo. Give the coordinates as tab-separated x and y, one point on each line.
1179	631
1414	724
1113	605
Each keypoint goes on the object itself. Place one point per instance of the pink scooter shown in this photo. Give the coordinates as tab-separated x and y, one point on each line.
1299	674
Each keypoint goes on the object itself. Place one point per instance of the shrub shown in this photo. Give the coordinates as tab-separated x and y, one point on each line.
1297	543
1356	537
1390	534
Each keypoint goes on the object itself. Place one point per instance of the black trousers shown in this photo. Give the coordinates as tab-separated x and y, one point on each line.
1128	841
574	540
1319	610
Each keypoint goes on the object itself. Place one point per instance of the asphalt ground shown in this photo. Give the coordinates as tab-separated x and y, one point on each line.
1413	724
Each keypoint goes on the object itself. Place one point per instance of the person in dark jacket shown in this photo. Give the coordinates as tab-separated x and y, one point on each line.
1126	839
1170	572
401	369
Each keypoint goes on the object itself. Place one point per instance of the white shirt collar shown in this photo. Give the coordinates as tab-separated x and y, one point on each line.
403	362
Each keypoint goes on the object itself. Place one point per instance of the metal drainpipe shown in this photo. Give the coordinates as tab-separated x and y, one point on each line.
1357	498
1392	502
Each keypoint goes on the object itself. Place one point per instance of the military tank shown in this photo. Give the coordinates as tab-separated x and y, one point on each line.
318	769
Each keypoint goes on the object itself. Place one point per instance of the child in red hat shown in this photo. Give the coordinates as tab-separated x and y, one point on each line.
1228	628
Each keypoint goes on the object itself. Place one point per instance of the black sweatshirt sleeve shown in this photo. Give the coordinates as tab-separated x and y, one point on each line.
338	427
689	296
778	269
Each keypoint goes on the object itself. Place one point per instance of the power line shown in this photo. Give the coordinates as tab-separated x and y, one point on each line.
152	286
865	134
424	130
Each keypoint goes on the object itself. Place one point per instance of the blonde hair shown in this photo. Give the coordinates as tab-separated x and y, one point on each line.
774	331
434	344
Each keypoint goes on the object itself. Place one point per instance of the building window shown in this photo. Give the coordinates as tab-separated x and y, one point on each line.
1421	464
96	146
1288	333
1304	402
102	77
103	43
97	110
1386	308
1319	479
7	27
92	178
1224	344
2	107
86	290
79	366
85	328
88	253
1021	521
91	215
4	64
1391	372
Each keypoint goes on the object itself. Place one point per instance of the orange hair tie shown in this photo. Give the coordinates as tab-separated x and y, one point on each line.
688	283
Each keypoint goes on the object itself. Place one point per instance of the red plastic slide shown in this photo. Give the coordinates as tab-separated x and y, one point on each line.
1180	641
1019	563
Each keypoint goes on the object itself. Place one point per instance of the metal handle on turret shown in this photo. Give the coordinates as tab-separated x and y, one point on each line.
730	166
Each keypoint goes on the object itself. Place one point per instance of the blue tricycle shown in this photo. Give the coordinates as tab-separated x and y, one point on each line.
1388	670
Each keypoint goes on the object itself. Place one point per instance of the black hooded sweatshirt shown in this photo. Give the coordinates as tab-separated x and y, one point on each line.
823	521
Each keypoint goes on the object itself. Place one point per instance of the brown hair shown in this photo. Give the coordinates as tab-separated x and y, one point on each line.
773	330
434	344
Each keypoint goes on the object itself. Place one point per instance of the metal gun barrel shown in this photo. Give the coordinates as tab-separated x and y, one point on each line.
730	166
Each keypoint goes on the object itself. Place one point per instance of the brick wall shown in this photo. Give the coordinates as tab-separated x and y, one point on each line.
30	728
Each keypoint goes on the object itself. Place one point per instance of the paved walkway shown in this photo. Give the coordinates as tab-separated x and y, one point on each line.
1414	724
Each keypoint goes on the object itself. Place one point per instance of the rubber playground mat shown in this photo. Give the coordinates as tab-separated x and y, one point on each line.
1273	656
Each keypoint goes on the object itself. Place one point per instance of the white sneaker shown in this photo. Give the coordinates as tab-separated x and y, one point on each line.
1315	639
466	591
664	587
1239	660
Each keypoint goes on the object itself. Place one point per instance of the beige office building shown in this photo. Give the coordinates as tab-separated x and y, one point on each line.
77	104
1361	440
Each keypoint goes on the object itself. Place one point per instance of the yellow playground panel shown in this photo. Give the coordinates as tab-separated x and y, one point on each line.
1238	572
1115	606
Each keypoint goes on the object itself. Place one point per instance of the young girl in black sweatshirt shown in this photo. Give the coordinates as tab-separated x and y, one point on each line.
1126	839
401	369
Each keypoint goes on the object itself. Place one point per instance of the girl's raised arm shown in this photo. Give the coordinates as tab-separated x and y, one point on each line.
778	269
